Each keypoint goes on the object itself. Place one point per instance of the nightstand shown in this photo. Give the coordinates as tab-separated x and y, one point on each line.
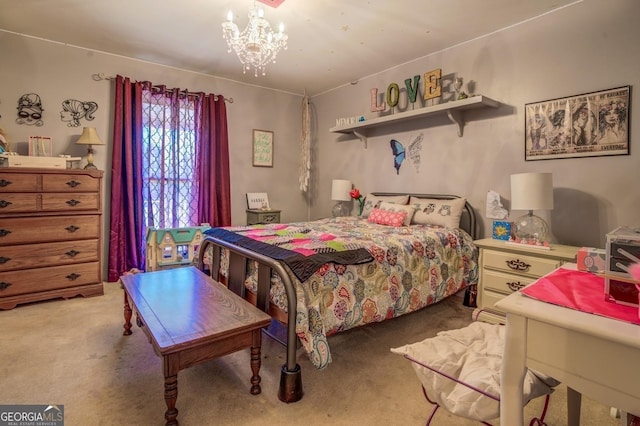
506	268
255	217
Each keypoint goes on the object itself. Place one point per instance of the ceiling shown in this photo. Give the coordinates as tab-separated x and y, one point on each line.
331	42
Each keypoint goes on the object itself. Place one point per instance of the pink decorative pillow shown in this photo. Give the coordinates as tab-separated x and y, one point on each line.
386	217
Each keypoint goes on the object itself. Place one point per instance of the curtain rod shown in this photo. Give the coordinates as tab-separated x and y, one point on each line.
100	76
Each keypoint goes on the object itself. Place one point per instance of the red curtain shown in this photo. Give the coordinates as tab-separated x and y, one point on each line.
127	224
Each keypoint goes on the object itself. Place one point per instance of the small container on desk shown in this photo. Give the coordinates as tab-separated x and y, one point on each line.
259	216
623	250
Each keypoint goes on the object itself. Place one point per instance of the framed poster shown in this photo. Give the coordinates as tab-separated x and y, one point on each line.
40	146
588	125
262	148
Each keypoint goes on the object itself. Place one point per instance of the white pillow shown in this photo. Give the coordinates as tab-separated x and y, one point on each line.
393	207
371	201
431	211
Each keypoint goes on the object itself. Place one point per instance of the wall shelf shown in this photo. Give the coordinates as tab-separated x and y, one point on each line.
454	110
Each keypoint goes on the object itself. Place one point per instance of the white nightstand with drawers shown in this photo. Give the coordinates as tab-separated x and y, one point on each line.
505	268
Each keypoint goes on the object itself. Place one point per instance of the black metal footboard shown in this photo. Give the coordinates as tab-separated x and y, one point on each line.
290	389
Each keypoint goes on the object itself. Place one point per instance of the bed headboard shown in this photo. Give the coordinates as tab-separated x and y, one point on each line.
467	220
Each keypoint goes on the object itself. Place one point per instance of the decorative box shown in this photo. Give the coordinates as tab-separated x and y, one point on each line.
591	259
623	249
501	230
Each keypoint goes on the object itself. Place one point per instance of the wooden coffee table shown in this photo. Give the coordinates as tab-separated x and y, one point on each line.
189	319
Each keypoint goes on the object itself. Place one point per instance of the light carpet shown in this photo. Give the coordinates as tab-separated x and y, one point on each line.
72	352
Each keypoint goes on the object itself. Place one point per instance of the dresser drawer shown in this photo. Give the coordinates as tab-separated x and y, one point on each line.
18	203
11	182
519	263
51	228
503	282
70	202
48	254
489	298
70	183
42	279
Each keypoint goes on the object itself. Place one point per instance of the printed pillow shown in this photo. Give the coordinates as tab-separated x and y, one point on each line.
392	207
371	201
386	217
431	211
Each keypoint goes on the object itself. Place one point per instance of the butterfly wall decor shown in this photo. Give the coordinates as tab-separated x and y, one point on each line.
412	151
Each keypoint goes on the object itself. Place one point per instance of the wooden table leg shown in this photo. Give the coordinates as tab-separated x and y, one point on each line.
255	362
171	368
127	316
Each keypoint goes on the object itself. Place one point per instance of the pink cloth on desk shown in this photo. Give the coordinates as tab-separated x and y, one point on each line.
581	291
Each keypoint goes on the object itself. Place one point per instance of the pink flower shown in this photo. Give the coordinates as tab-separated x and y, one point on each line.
355	194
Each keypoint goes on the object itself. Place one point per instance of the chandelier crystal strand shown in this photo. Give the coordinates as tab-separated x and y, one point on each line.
256	45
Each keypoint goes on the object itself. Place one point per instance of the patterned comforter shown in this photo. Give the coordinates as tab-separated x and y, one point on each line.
413	267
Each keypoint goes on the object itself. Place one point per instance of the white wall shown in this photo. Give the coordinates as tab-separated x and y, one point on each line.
57	72
587	47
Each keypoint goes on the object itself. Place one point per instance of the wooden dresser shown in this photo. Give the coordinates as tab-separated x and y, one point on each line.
506	268
50	234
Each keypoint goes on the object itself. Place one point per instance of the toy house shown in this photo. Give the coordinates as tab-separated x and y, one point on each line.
173	247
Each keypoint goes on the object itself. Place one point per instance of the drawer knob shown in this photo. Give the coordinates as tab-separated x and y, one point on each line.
4	259
72	228
73	202
4	286
515	286
72	253
73	183
4	232
518	265
4	182
5	203
73	276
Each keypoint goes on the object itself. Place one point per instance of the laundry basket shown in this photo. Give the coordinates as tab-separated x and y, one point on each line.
460	371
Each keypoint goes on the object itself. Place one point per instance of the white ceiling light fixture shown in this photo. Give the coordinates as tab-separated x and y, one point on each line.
257	44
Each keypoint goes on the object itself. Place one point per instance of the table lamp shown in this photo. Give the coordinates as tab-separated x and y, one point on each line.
532	191
340	192
89	137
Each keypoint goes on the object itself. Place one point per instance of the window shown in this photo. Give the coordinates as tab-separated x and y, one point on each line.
169	151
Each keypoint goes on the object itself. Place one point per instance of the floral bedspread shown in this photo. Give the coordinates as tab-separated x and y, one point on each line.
413	267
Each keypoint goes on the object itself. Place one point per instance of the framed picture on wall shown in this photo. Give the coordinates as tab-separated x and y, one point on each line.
262	148
588	125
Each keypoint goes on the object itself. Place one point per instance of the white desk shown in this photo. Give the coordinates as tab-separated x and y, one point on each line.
592	355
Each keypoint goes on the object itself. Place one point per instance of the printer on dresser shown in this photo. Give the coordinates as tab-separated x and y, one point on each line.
50	234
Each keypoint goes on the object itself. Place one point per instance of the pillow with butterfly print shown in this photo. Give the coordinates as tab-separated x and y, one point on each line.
371	201
431	211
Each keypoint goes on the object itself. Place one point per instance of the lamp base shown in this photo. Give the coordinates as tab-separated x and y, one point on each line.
340	210
90	166
531	230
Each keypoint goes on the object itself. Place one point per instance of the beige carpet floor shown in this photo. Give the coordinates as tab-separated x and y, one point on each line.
73	353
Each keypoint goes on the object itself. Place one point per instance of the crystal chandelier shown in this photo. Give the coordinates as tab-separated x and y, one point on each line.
257	44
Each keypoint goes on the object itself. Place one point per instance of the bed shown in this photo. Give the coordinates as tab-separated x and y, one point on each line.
406	252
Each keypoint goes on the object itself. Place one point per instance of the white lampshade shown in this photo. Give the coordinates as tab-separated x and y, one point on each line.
340	190
532	191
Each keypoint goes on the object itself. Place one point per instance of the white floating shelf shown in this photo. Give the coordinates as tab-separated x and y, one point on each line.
453	109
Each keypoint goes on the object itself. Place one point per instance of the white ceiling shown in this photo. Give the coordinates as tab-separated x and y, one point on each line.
331	42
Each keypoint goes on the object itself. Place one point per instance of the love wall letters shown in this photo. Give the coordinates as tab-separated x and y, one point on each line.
432	89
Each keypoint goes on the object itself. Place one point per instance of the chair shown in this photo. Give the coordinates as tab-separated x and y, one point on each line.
460	371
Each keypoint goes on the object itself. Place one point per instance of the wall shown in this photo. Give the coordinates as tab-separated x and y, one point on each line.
586	47
57	72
